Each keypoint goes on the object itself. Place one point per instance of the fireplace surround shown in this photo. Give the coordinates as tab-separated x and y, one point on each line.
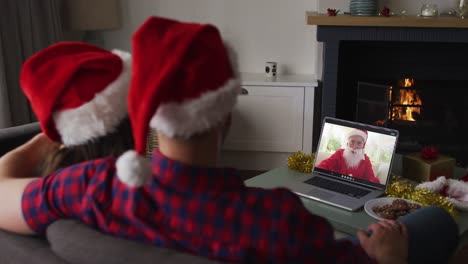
435	58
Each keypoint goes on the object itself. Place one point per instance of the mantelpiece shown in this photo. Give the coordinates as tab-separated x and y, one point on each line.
313	18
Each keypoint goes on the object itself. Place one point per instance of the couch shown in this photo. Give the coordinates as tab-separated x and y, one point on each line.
69	241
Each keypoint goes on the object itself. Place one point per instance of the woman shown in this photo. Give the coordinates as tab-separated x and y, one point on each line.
78	92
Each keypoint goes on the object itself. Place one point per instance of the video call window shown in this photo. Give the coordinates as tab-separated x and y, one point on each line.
379	148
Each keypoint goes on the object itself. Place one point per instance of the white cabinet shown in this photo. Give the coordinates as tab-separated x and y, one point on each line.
271	120
267	118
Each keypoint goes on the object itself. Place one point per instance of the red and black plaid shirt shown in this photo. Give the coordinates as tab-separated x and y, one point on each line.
205	211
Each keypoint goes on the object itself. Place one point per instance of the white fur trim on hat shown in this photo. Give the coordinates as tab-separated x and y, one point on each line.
132	169
197	115
434	186
99	116
357	132
457	192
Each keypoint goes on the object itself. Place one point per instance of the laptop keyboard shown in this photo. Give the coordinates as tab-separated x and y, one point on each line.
337	187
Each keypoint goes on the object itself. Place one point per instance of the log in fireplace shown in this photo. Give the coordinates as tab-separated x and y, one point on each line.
388	105
425	112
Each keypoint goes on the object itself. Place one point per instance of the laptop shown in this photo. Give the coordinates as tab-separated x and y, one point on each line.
349	183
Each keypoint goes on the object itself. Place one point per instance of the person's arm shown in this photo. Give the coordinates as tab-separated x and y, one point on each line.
17	170
308	238
11	217
23	161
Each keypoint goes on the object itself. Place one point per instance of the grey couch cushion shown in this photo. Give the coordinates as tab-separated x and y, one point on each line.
12	137
18	249
79	244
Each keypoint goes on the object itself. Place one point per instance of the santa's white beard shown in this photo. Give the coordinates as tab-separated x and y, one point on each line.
353	157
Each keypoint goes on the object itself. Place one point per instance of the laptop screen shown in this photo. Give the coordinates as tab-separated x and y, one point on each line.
356	152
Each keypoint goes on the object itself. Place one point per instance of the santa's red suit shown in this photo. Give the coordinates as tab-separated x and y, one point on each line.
337	163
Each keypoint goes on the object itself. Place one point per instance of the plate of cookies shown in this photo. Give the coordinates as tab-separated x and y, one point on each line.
390	207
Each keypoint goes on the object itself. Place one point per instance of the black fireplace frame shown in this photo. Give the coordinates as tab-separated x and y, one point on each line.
333	36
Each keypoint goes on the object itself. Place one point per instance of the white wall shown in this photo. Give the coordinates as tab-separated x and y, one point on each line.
260	30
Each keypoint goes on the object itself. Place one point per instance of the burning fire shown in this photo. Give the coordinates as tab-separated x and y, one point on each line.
407	82
408	102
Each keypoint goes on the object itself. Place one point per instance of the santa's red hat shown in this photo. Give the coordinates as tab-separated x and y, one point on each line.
456	191
78	91
358	132
183	83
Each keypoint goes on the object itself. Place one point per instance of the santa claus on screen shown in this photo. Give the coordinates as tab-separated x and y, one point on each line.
351	160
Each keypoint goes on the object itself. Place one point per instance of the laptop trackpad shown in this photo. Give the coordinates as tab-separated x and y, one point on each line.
320	194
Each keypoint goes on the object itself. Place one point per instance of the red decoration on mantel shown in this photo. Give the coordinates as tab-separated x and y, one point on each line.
332	12
429	153
385	11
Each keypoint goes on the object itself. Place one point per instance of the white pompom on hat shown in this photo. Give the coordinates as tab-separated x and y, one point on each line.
183	83
77	90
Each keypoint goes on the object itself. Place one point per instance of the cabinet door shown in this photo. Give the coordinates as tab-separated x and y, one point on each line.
267	118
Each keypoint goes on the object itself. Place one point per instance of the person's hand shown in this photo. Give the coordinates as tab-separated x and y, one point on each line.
388	242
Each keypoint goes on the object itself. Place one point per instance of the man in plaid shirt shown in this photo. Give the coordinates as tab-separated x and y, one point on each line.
184	86
206	211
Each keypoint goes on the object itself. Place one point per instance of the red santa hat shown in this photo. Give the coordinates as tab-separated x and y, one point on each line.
358	132
456	191
78	91
183	83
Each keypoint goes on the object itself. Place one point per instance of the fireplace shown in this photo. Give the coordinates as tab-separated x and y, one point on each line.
412	79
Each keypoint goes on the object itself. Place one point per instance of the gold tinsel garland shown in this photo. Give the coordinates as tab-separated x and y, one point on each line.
301	162
402	188
399	187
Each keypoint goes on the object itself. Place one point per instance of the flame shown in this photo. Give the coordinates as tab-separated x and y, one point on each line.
408	101
407	82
